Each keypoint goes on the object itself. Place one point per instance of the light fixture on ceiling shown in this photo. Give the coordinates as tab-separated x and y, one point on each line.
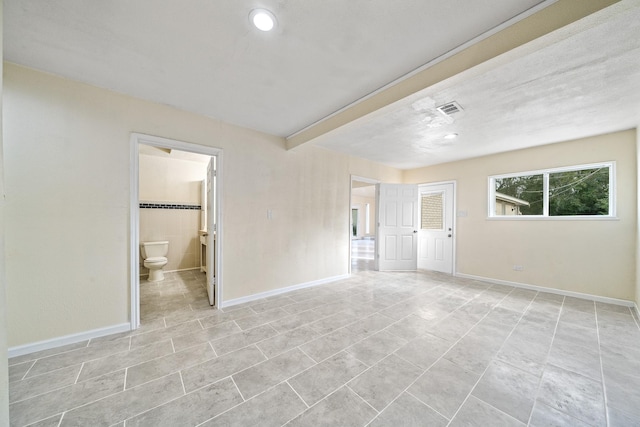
451	136
262	19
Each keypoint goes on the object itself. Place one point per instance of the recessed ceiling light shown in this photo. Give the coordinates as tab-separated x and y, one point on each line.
262	19
451	136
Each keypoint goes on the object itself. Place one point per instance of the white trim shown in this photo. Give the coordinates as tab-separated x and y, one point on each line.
598	298
134	233
279	291
134	228
635	306
67	339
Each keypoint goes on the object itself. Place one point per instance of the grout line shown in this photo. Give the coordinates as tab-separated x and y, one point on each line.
604	387
237	388
126	371
173	347
213	349
61	417
79	372
28	370
184	389
430	407
296	392
362	398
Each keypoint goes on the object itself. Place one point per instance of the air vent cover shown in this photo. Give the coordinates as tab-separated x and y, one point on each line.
449	108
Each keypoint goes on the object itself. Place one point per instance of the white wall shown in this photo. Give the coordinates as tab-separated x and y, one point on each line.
595	257
67	182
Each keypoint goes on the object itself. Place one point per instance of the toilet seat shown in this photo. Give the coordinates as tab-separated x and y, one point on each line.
155	259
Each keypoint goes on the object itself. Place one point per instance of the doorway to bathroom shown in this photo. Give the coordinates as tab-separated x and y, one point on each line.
175	201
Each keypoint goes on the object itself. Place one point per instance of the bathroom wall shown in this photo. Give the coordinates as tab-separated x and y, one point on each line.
170	192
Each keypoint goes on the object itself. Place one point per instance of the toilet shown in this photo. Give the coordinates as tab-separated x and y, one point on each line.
155	257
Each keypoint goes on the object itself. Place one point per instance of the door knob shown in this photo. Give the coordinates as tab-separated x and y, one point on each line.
415	231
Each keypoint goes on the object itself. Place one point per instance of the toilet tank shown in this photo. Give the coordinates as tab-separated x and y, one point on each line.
154	249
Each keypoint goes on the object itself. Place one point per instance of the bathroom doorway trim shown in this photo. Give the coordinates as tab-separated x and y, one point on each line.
134	228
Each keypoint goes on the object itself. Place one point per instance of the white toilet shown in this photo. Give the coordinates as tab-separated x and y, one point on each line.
155	257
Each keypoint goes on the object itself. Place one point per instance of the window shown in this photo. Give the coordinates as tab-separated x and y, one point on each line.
577	191
432	211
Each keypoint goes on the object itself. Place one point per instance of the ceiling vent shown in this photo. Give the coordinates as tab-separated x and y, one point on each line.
449	108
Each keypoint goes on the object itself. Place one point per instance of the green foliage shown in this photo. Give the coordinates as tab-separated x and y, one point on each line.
580	192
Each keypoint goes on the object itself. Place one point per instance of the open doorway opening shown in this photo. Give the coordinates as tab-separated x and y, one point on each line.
362	229
176	227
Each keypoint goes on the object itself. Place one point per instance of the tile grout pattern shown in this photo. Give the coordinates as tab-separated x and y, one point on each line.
376	349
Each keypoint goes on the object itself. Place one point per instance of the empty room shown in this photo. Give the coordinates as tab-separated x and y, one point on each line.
348	213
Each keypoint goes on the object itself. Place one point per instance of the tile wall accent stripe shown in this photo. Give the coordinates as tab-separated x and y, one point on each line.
147	205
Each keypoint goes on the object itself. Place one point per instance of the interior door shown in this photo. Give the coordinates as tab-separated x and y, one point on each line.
435	251
211	227
397	236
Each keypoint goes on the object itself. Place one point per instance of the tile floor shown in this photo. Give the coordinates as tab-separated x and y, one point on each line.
377	349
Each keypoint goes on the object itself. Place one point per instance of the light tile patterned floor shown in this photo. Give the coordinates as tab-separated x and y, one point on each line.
378	349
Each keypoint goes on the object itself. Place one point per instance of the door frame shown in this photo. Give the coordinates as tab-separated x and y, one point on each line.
425	186
134	214
351	179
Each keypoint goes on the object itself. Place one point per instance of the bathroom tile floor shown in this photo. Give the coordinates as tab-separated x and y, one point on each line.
377	349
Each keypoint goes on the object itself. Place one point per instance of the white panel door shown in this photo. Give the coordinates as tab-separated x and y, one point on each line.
397	238
211	227
435	249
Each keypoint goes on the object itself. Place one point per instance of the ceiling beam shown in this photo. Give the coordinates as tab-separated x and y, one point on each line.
545	21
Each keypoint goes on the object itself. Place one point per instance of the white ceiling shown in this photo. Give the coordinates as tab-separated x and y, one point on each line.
203	56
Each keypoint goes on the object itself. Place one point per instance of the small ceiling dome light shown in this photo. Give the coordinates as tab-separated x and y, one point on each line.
451	136
263	19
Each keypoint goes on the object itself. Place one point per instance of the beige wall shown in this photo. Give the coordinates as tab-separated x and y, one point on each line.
589	256
176	181
4	374
67	179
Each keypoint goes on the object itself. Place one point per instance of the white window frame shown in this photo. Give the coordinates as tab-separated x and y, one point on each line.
545	189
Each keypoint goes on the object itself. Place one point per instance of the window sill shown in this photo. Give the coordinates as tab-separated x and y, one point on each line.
552	218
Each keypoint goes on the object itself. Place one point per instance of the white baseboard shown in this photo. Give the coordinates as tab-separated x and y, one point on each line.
279	291
591	297
67	339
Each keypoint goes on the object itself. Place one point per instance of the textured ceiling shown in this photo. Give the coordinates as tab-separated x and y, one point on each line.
578	82
203	56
